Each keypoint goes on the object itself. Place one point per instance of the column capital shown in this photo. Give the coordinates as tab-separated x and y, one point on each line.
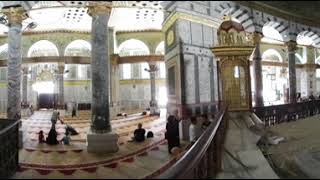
61	68
255	37
99	7
291	45
15	14
153	66
24	68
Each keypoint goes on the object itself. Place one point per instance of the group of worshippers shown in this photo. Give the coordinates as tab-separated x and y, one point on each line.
195	130
52	135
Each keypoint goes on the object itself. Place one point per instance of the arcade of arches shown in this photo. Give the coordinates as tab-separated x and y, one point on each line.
121	63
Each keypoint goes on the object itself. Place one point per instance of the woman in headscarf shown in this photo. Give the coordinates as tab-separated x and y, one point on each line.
52	136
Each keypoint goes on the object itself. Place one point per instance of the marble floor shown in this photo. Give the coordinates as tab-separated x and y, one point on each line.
133	160
298	155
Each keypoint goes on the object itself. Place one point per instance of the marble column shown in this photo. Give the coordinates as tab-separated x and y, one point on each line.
257	70
60	78
115	91
154	109
308	80
25	84
100	138
292	46
15	17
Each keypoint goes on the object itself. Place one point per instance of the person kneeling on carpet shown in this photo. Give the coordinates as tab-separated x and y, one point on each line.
66	139
71	130
41	137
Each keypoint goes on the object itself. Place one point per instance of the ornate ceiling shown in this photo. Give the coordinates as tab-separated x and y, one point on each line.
72	15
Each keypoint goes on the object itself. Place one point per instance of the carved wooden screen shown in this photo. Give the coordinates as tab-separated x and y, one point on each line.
235	84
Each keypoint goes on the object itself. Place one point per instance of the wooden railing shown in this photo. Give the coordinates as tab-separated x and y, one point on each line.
272	115
9	150
203	159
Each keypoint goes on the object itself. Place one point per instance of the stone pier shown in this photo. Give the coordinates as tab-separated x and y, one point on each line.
292	46
100	138
61	86
15	16
154	108
257	70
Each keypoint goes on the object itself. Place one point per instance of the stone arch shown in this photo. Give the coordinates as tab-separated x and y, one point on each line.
272	55
238	13
308	37
133	47
43	48
274	30
160	49
78	47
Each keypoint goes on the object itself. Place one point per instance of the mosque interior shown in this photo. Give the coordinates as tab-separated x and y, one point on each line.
104	67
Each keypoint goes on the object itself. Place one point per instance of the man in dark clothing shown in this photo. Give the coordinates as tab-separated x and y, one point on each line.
172	134
139	133
74	111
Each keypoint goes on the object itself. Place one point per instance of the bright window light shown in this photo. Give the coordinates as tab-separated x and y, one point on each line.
43	87
126	71
144	74
162	96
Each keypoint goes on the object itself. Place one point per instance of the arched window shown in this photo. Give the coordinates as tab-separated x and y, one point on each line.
145	74
271	55
160	49
43	48
78	48
4	51
133	47
126	71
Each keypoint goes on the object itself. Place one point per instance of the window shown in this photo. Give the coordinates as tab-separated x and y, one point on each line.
133	47
78	48
126	71
162	70
145	74
43	48
160	49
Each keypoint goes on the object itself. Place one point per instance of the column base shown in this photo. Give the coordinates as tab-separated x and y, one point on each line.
20	142
155	111
102	143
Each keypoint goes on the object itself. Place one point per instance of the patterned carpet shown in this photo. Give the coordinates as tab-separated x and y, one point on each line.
133	160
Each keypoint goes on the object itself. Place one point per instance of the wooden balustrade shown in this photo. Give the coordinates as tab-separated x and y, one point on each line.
204	158
9	150
272	115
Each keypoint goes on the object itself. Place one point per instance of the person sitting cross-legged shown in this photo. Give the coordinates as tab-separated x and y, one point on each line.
139	134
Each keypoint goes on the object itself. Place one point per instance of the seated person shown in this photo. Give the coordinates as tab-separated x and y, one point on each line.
41	137
71	130
193	130
205	122
52	136
139	134
66	139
